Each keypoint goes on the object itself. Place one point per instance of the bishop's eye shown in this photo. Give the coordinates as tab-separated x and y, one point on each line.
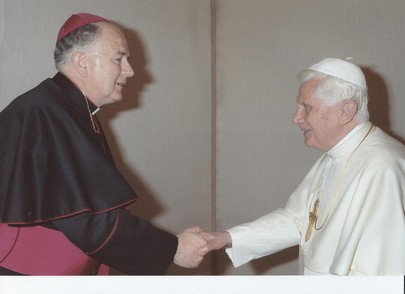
118	60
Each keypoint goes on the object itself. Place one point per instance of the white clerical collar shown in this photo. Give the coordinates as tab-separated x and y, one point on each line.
342	147
96	110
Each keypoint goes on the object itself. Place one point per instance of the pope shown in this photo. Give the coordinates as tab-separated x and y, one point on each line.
347	214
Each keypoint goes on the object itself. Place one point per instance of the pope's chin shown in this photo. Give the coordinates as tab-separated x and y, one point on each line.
307	139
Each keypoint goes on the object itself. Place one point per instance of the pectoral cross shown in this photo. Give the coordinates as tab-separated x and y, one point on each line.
313	216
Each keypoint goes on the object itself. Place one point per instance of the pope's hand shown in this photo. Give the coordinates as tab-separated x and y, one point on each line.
215	241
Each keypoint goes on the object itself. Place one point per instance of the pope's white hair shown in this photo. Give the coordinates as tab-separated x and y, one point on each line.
332	90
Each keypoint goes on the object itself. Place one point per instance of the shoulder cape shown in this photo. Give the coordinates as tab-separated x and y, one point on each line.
52	163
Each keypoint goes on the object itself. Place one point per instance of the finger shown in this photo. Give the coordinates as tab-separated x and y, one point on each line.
196	230
198	240
206	235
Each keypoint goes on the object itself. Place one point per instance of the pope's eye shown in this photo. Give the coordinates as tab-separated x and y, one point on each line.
307	107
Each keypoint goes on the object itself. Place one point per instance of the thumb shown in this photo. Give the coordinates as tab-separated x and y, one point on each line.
203	250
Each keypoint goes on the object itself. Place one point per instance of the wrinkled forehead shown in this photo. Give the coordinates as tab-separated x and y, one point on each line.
309	89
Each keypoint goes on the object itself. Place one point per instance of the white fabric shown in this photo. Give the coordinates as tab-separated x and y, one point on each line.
365	231
341	69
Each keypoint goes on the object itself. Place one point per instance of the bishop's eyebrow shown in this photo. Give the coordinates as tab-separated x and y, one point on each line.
123	53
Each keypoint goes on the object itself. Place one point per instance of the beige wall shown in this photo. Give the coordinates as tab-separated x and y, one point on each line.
162	134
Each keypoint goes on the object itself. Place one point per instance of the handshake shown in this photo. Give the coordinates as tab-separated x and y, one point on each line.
194	244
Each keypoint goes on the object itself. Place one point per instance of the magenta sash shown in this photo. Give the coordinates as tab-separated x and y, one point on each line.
41	251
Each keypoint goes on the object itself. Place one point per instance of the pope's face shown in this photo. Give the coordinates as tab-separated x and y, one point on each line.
108	66
319	122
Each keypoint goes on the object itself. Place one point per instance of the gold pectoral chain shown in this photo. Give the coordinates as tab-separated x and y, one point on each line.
313	215
93	123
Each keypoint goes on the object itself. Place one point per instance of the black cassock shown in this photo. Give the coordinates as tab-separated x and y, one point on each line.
57	172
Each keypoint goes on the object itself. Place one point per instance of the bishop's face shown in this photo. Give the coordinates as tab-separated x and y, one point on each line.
108	66
318	121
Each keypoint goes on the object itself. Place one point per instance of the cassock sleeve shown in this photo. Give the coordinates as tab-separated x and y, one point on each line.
273	232
267	235
121	240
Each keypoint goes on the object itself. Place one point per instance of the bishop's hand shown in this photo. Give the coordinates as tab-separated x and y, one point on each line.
189	242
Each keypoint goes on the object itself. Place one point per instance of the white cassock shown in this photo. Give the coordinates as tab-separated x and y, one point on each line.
360	229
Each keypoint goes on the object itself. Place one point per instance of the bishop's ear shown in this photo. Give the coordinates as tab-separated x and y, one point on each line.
79	60
348	111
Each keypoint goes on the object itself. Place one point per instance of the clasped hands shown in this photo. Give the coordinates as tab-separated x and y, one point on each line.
194	244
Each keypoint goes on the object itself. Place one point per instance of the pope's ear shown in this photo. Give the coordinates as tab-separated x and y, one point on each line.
349	110
79	60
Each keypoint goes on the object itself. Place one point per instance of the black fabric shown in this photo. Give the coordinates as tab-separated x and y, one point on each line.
134	247
150	250
52	163
87	231
7	272
56	171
